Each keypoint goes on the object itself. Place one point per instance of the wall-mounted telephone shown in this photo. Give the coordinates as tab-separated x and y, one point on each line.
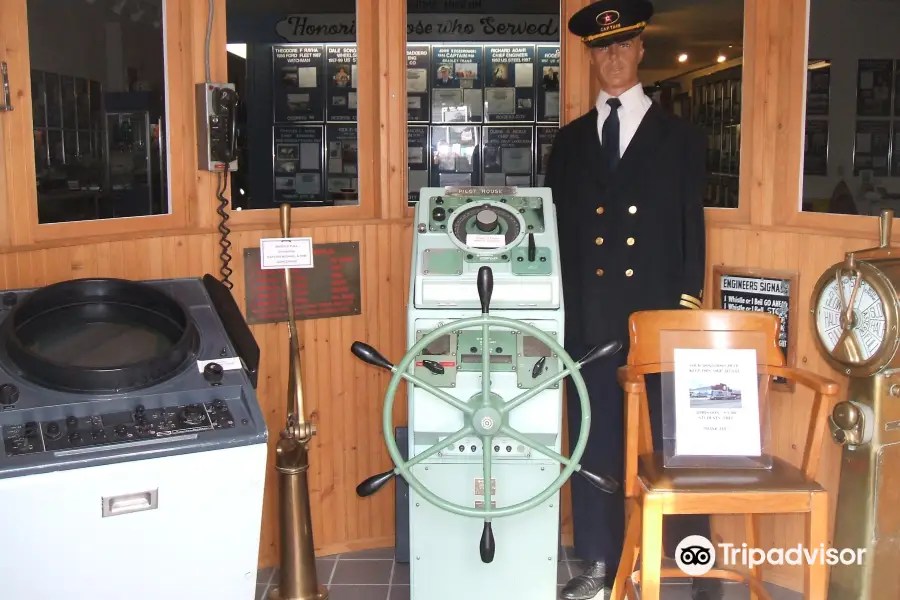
217	126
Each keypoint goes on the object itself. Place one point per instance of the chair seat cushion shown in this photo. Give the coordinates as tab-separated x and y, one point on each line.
781	477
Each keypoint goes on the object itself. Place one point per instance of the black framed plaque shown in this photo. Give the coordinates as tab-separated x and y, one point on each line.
507	155
509	87
815	154
297	172
331	288
544	143
298	81
872	147
454	155
343	163
341	72
418	75
818	89
548	86
417	158
456	85
874	81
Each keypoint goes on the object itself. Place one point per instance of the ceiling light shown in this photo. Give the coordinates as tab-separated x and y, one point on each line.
721	58
682	58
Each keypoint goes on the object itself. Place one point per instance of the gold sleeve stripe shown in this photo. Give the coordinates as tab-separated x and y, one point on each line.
690	305
692	300
597	36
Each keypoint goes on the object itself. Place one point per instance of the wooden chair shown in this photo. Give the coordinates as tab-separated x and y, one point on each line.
652	491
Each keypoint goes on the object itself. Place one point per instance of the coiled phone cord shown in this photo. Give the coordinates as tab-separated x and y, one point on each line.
224	242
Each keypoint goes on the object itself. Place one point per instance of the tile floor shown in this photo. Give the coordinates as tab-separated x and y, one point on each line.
373	575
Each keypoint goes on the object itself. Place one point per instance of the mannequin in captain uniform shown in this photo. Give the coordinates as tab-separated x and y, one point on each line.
628	182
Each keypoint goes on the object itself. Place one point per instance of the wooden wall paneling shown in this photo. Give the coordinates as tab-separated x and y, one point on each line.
393	114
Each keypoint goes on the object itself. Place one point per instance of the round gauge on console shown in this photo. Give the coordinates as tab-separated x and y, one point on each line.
855	316
99	336
495	227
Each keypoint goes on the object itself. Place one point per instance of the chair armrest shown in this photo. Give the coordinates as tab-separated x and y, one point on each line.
816	383
630	380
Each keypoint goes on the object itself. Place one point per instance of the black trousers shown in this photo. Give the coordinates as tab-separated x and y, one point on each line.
599	518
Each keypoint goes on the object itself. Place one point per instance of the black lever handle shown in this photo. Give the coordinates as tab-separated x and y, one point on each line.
433	366
487	547
607	349
368	354
485	288
601	482
374	483
532	250
538	367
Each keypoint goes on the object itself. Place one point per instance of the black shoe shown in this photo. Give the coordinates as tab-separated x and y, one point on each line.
707	589
587	585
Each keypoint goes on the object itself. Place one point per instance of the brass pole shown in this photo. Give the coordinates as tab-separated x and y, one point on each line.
297	579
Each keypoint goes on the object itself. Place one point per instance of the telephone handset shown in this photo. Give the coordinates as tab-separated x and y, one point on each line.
217	126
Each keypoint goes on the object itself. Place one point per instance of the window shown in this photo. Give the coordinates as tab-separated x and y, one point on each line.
98	96
297	77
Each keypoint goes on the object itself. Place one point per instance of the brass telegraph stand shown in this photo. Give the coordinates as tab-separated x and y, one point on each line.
297	578
856	314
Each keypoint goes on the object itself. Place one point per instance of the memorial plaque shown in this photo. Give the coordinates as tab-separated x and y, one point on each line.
545	137
454	156
872	147
874	80
298	79
417	158
297	170
509	91
330	289
758	290
456	95
341	69
418	74
343	161
815	155
548	89
507	156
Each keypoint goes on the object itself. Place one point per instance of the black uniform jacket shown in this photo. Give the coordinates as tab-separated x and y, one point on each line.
633	239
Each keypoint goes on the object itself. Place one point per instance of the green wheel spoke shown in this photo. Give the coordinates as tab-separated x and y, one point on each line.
438	393
488	455
485	364
526	396
467	430
539	448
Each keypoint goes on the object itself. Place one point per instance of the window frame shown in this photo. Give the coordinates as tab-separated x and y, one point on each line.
191	192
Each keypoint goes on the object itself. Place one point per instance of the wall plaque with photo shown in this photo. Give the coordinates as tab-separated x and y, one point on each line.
548	84
343	164
298	82
418	160
454	156
297	173
872	147
509	87
456	95
874	82
507	156
818	88
545	136
341	71
418	74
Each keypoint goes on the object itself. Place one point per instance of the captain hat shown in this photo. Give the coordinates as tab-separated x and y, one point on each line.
607	22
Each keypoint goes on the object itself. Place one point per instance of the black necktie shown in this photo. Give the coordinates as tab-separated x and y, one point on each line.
611	135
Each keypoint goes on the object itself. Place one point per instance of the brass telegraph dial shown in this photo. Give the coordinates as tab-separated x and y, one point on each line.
855	309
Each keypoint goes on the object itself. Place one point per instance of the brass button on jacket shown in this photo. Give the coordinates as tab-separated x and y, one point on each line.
629	273
630	241
599	272
632	209
600	210
599	241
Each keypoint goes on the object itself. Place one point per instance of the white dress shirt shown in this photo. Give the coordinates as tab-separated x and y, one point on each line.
635	105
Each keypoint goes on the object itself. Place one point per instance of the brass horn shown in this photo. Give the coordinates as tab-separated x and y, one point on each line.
297	578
